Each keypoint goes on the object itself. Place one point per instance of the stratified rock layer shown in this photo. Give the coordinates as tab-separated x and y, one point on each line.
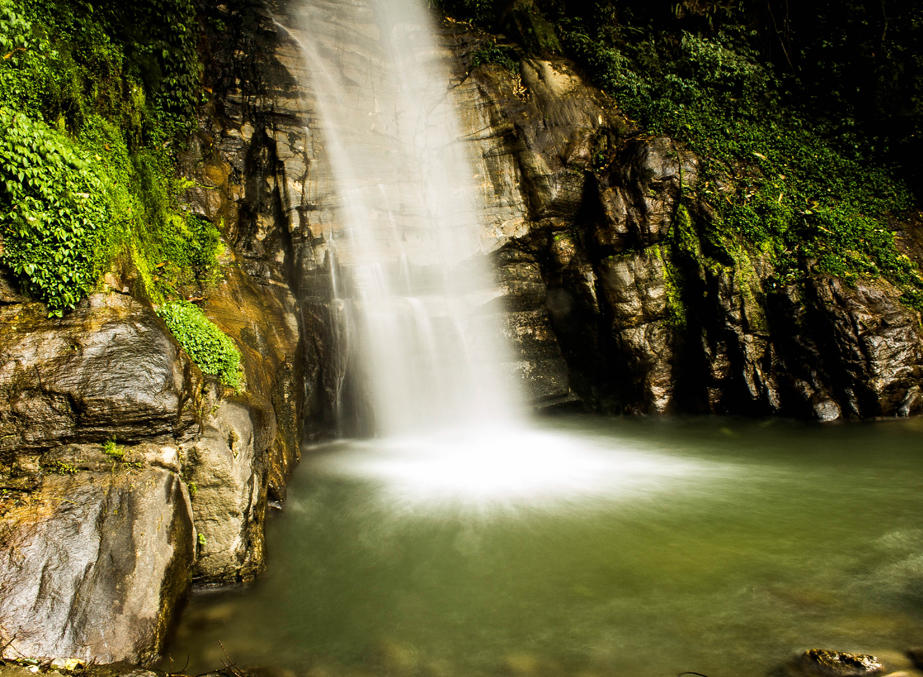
106	370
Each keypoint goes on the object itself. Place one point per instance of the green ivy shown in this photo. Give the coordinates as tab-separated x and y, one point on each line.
91	106
212	350
55	215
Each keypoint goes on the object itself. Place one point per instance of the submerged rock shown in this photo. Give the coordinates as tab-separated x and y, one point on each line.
839	664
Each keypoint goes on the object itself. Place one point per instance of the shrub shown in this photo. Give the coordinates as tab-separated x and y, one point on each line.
88	103
54	212
211	349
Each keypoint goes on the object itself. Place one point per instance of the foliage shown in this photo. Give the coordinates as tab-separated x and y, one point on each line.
857	67
775	110
54	216
494	53
211	349
160	39
113	450
91	100
63	468
480	11
770	177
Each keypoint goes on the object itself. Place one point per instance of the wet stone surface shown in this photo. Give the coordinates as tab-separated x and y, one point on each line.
840	664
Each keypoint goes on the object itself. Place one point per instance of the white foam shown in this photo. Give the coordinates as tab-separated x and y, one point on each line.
513	466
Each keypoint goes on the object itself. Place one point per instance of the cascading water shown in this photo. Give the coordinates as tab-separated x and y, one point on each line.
427	373
409	269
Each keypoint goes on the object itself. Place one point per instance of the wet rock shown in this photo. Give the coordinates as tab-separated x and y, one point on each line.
229	501
522	314
250	441
639	193
532	137
872	347
636	288
839	664
738	351
9	293
108	369
93	565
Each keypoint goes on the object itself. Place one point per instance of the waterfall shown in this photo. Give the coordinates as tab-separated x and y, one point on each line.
406	258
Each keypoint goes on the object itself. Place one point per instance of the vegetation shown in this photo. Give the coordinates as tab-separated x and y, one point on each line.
88	113
94	98
63	468
210	348
493	53
55	216
794	165
113	450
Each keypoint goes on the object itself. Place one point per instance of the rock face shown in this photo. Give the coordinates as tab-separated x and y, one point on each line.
95	564
646	314
108	369
250	441
609	291
96	551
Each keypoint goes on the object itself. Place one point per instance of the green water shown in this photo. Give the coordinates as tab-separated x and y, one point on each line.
589	546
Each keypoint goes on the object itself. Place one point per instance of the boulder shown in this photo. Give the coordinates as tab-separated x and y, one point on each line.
93	565
228	473
108	369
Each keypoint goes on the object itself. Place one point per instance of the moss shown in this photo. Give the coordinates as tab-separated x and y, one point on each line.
113	450
673	285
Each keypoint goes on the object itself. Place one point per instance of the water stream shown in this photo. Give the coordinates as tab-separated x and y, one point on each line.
408	265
